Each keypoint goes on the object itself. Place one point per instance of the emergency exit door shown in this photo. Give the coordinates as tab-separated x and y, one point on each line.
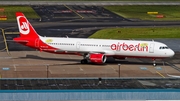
78	45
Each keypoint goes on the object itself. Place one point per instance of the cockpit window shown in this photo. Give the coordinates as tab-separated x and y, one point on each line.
163	47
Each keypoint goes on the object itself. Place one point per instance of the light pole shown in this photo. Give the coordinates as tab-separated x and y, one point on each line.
119	69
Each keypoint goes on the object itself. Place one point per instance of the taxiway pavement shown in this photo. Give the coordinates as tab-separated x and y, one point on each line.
35	64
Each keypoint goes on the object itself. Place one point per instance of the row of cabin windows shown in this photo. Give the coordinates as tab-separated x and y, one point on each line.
80	44
62	44
88	45
95	45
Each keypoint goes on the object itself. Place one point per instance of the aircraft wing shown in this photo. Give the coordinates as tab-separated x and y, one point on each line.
70	51
175	76
93	51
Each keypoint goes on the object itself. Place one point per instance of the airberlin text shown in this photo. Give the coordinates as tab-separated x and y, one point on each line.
129	47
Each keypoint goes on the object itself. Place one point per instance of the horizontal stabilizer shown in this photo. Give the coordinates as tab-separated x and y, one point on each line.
22	41
25	41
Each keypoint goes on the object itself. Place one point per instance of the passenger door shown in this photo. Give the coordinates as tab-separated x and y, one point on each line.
151	48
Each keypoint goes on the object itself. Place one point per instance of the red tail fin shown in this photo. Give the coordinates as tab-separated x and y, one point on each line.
25	28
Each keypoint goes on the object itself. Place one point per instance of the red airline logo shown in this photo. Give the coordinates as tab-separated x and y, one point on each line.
24	26
130	47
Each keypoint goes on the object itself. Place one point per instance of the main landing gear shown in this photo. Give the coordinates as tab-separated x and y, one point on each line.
84	61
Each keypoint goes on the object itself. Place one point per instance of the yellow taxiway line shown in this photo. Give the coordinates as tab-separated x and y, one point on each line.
5	41
74	11
160	74
11	32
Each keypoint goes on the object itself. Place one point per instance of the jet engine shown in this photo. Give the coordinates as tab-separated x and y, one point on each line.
97	58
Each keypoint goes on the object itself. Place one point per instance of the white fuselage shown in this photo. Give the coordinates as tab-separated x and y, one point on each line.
127	48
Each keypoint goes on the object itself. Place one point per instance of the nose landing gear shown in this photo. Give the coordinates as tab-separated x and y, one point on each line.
154	62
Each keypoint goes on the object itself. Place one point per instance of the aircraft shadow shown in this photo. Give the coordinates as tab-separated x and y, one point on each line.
49	58
109	61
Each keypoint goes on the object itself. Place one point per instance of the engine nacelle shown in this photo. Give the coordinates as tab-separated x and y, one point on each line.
97	58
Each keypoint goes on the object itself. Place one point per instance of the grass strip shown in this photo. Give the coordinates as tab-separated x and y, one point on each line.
10	11
129	33
169	12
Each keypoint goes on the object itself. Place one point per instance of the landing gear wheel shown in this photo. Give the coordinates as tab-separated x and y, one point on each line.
84	61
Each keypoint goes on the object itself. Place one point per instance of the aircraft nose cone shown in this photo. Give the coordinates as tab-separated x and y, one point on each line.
171	53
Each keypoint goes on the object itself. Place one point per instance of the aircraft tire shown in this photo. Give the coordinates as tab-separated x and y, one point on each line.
84	61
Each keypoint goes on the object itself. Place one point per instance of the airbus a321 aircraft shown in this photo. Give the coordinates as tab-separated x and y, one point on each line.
92	50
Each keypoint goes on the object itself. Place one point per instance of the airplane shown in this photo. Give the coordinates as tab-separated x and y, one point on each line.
93	50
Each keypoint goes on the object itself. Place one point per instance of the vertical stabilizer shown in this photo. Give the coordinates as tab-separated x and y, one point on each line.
25	28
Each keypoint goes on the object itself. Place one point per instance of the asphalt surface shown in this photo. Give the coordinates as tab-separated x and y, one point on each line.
65	13
36	64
